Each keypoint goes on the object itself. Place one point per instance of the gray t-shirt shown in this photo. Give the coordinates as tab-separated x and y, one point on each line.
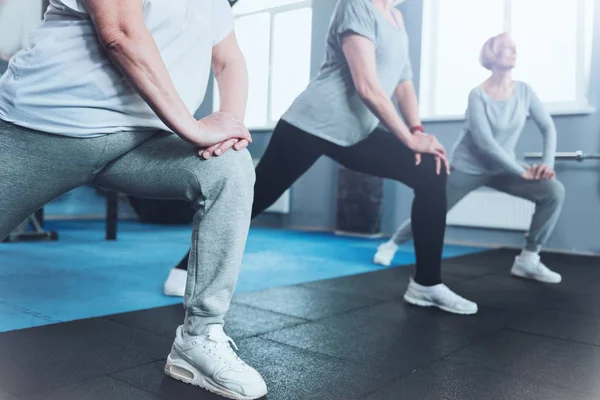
493	127
330	107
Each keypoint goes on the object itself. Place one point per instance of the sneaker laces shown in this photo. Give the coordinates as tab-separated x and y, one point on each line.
220	337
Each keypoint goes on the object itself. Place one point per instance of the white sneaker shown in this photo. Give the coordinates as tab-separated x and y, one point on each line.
208	361
175	283
438	296
532	268
385	253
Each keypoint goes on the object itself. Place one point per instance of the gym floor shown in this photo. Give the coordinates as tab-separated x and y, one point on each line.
338	332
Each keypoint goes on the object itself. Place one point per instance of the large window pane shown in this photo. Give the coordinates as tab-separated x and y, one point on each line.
460	30
250	6
253	37
589	39
547	48
290	69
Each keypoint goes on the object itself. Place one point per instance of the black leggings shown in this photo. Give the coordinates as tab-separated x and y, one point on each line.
291	152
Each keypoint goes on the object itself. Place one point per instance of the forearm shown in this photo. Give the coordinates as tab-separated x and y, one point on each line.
232	82
408	103
488	146
139	59
383	108
545	123
549	146
501	158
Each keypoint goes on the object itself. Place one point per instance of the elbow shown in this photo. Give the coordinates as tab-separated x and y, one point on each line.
114	41
233	59
366	91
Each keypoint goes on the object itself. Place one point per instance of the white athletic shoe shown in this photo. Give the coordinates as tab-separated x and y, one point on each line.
438	296
175	283
532	268
208	361
385	253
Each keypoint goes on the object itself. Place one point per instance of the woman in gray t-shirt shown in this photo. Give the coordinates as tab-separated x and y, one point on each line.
485	156
366	63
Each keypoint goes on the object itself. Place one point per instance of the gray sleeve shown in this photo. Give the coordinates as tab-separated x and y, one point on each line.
354	17
481	132
544	121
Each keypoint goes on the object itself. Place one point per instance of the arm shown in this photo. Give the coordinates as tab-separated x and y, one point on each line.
121	30
544	121
229	68
360	55
128	42
481	133
405	93
406	97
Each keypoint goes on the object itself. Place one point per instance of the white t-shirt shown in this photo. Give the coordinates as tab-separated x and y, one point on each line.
63	83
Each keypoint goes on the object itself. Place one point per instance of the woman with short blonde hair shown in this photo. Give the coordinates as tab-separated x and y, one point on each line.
485	156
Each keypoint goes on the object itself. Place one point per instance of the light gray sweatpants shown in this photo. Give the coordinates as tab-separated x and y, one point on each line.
36	167
548	196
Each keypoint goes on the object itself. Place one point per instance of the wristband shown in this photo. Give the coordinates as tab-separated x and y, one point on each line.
417	128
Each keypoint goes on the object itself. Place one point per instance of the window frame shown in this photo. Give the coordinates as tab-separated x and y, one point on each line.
273	11
427	84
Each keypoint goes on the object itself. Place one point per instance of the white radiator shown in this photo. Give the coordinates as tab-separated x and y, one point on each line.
491	209
282	205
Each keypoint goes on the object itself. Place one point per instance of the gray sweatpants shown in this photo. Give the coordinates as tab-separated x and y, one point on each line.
548	196
36	167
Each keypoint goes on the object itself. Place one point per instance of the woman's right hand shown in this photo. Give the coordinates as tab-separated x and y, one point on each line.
219	127
428	144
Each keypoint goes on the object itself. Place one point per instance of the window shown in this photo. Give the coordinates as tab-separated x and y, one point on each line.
554	40
275	37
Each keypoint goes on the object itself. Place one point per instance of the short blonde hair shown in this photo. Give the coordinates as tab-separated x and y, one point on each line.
487	57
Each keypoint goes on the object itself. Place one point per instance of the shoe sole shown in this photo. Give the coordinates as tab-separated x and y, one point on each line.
522	275
381	261
424	303
200	380
173	293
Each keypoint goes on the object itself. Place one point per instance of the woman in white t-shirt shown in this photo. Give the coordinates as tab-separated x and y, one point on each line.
104	92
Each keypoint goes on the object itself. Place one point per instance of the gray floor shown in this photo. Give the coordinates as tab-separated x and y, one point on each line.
346	338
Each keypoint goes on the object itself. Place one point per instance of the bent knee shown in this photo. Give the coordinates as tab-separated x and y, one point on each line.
556	190
238	166
428	178
234	170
